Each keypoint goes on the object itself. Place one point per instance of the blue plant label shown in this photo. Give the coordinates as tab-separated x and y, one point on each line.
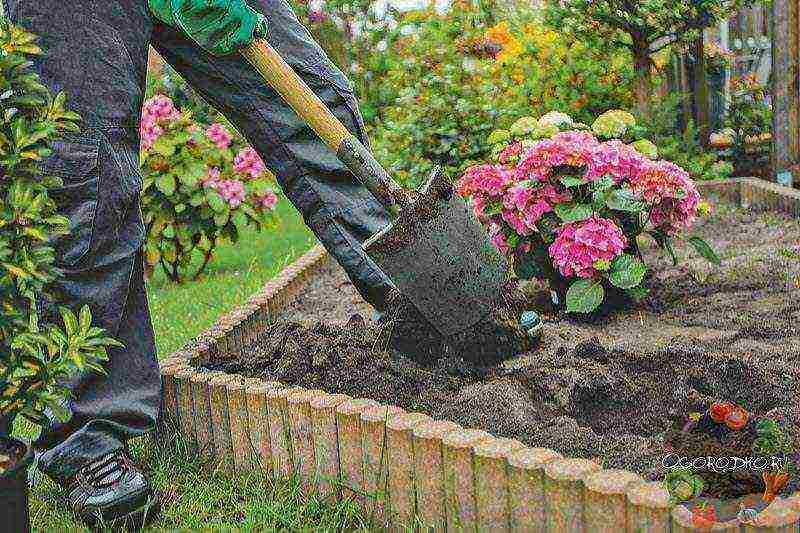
785	178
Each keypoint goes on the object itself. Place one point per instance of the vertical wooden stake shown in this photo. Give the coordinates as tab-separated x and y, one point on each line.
648	508
351	456
459	477
326	445
429	471
400	450
376	461
529	505
606	504
491	483
564	492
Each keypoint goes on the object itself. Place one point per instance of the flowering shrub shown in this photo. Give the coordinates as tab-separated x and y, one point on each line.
202	185
445	81
35	358
569	205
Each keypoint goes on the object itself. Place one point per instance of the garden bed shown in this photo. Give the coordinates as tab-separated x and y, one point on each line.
608	390
612	391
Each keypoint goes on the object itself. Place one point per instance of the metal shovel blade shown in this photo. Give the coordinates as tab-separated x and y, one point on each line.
441	260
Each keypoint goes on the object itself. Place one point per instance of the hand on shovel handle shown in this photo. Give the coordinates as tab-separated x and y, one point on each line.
315	113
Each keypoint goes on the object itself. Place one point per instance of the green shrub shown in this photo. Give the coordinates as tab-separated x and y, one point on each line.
202	185
448	80
352	32
750	122
682	148
36	357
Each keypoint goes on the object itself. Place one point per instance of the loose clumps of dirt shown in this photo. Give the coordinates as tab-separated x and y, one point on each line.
613	390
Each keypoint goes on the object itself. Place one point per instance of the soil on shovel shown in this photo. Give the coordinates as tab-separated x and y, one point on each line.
612	390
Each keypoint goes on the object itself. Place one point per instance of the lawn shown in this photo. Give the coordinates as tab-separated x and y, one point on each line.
196	497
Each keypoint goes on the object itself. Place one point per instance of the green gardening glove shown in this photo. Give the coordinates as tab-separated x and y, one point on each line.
220	27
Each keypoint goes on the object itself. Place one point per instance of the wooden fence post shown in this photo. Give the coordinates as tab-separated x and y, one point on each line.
785	90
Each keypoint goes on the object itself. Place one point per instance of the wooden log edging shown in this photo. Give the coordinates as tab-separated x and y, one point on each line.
401	467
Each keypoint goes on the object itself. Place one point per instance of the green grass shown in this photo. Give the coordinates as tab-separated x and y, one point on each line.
196	497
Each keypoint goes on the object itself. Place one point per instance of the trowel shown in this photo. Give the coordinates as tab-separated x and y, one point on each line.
434	250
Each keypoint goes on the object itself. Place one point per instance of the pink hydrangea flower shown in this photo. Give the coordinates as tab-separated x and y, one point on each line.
510	153
219	135
572	148
671	192
232	191
616	159
516	221
248	163
156	112
579	245
211	181
317	16
499	241
267	202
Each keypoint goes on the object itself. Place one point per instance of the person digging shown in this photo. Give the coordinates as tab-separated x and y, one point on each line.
97	53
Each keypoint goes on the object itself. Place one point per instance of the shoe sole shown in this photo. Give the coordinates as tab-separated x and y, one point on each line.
132	521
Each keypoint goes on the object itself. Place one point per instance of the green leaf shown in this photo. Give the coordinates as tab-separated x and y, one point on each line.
215	201
604	183
239	220
220	219
169	232
667	245
627	272
638	293
584	296
164	146
704	250
624	200
571	181
70	322
166	184
194	171
573	212
85	318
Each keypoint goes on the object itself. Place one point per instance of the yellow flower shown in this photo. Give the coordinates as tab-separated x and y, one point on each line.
499	33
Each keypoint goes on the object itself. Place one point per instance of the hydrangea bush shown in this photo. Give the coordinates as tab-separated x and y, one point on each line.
202	185
36	358
567	203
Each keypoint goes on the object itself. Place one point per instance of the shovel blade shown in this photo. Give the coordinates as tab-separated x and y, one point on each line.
441	260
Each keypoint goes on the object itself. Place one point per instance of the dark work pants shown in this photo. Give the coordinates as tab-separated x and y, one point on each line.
96	51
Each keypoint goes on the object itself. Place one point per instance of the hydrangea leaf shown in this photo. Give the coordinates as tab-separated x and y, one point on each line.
704	250
573	212
584	296
627	272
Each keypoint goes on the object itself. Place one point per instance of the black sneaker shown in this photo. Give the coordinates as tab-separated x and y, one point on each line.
111	491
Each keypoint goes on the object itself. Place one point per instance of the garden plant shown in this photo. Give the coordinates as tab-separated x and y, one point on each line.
202	185
568	204
37	356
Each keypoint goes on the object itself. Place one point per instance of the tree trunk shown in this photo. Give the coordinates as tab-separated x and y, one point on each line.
701	90
644	79
686	100
785	90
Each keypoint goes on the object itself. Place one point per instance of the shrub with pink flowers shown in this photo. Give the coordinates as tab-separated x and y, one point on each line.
203	185
567	203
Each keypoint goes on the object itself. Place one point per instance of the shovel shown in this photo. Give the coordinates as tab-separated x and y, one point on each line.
433	250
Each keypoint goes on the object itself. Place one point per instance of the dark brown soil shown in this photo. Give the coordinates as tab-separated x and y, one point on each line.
610	390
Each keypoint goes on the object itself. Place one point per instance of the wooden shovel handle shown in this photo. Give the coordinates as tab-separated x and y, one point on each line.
316	114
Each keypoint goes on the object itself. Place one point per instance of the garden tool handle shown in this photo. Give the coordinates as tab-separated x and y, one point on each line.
316	114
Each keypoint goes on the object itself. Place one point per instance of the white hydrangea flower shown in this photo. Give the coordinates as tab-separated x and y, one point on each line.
554	118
